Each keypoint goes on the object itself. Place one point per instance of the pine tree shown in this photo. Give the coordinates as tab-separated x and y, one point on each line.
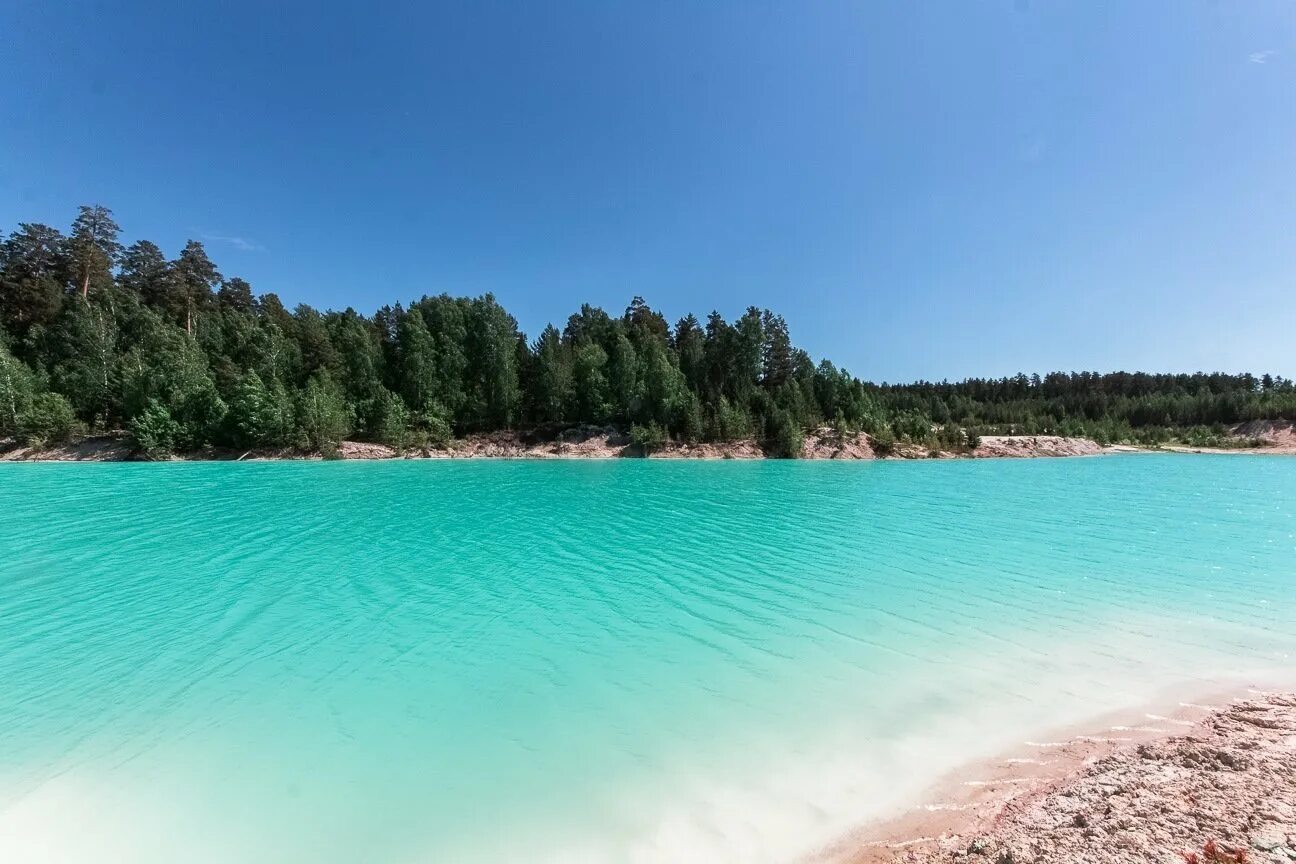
31	260
93	248
195	277
776	353
146	273
160	353
235	294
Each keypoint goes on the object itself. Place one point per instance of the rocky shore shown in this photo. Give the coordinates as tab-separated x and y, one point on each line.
1222	791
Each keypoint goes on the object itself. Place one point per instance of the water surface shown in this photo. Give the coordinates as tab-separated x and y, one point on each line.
589	661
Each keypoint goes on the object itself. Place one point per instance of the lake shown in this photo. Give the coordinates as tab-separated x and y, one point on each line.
621	660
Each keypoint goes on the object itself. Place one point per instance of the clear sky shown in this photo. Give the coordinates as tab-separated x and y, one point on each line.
928	190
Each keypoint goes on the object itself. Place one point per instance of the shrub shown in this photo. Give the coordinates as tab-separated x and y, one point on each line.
911	426
646	439
392	421
48	419
200	415
16	390
729	422
689	420
259	416
155	432
434	428
784	439
883	442
322	415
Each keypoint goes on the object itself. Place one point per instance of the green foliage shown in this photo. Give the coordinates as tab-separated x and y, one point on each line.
48	419
728	422
662	392
647	439
432	428
784	437
32	265
322	416
956	438
493	395
259	416
145	272
16	392
690	347
591	394
93	249
235	294
911	426
191	288
156	434
553	385
84	354
883	442
393	421
1215	437
415	359
186	358
690	420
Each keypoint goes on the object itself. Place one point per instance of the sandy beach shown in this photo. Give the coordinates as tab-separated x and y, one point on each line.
587	442
606	442
1199	782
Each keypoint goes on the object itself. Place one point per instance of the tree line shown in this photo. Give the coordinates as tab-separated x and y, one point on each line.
98	336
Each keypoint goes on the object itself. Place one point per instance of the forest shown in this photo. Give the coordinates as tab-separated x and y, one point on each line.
97	336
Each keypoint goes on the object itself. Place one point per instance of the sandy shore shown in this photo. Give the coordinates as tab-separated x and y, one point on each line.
587	443
606	442
1271	437
1214	779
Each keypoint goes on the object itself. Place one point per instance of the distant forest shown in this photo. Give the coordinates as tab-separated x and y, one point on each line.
101	337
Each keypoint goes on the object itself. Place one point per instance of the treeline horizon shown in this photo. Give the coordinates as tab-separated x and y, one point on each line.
96	336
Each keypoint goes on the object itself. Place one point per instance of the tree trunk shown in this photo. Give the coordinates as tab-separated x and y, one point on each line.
13	401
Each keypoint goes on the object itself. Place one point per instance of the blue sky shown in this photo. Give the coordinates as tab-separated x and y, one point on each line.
928	190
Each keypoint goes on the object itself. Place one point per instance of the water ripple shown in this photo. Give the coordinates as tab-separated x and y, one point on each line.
606	661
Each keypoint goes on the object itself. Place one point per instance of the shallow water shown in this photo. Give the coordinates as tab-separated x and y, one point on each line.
589	661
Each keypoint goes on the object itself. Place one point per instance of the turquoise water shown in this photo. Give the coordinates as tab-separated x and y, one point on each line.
589	661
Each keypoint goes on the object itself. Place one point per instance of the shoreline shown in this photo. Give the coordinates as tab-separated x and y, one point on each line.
607	443
1062	795
575	443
